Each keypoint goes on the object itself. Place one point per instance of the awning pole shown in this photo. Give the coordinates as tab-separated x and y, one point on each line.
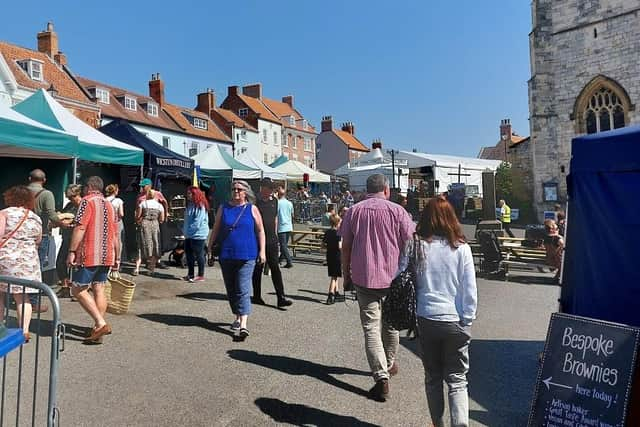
75	170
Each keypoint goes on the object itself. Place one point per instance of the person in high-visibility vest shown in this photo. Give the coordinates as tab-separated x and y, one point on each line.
505	217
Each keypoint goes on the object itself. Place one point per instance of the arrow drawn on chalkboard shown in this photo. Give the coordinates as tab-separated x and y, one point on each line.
548	382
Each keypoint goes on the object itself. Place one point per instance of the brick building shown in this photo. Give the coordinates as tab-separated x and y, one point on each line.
585	78
23	71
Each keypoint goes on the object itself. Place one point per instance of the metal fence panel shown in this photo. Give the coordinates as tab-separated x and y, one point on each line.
22	393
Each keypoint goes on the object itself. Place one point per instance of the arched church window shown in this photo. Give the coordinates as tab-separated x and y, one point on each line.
603	105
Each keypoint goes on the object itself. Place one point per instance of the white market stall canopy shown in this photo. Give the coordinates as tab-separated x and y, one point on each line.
93	145
450	169
23	137
295	172
216	162
266	170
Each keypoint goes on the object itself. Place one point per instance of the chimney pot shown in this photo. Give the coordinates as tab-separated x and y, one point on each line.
327	124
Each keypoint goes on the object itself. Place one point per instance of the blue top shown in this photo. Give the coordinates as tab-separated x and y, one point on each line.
196	223
285	212
241	242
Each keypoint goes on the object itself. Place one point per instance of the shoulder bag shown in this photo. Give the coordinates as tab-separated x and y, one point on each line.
217	246
10	235
399	306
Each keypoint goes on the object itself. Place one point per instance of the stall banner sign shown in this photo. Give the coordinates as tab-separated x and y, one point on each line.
586	373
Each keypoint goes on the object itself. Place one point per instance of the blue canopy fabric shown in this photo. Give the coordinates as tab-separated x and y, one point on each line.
159	161
601	278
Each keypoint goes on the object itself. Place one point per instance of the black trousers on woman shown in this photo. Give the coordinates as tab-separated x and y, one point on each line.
276	274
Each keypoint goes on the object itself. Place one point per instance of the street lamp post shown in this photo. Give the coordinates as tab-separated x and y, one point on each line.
393	168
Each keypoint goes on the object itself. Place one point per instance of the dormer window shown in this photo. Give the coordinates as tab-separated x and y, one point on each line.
33	68
102	95
292	121
152	109
199	123
304	124
130	103
243	112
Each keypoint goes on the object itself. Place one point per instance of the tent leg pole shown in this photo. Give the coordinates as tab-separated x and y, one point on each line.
75	171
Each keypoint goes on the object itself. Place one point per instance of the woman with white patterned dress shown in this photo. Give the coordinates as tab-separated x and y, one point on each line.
20	235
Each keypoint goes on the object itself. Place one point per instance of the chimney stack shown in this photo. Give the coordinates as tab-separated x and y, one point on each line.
254	90
48	41
156	89
327	124
505	130
377	143
233	90
349	127
288	100
206	102
60	58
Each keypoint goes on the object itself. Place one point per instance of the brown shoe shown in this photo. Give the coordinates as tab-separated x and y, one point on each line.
393	370
97	333
380	391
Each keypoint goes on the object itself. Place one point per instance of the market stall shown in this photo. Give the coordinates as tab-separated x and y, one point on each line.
169	172
296	171
266	171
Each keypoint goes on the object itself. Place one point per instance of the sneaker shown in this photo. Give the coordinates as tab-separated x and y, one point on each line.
235	326
380	391
199	279
338	296
244	333
288	266
284	302
188	279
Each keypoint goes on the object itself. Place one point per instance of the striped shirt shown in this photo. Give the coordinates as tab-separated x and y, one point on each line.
377	230
96	214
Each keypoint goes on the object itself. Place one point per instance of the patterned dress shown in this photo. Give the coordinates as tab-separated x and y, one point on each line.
19	256
149	231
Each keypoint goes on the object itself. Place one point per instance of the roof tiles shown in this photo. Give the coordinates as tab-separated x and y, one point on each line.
352	142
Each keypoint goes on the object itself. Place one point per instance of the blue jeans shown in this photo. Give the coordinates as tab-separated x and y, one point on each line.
284	247
237	276
194	248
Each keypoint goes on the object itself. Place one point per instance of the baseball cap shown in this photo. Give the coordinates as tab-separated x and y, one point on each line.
144	182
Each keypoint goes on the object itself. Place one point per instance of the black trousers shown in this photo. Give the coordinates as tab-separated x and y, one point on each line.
506	226
194	248
276	274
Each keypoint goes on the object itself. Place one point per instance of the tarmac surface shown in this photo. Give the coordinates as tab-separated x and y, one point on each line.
172	361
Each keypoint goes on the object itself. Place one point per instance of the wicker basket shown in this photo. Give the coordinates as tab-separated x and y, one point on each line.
119	293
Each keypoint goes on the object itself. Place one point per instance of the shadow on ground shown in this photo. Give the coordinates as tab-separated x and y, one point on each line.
204	296
180	320
302	415
292	366
494	366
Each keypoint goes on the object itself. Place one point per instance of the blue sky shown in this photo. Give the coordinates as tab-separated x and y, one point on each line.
436	76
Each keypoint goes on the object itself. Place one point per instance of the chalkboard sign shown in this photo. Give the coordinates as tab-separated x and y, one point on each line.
586	373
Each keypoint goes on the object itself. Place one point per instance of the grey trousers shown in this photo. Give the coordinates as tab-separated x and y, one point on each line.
445	356
380	340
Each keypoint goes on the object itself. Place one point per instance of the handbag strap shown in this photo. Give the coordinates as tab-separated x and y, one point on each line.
238	218
10	235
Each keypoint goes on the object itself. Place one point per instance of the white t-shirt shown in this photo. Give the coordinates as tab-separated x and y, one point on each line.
151	204
116	202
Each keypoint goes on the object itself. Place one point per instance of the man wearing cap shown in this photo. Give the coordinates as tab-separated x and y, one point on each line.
268	207
145	185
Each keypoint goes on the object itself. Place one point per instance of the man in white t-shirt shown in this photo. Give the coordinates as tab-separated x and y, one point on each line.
285	225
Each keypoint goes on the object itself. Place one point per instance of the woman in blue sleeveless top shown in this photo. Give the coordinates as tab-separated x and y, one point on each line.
239	231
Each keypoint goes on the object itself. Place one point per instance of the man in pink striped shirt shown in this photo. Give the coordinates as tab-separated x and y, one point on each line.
374	232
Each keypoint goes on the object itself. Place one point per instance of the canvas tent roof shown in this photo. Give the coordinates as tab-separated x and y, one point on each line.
280	160
161	161
92	145
295	172
266	171
21	136
216	162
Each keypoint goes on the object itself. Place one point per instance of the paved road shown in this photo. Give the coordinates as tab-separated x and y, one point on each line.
171	361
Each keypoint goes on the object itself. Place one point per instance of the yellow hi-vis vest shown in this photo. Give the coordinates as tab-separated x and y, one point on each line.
506	216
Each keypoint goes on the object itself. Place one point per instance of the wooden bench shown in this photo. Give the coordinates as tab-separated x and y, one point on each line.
518	256
307	240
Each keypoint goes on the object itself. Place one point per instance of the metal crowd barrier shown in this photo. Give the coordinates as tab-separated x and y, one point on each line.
22	393
309	211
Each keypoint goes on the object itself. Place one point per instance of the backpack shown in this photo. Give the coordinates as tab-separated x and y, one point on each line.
399	306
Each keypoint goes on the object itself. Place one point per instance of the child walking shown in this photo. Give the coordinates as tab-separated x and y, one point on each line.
332	242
